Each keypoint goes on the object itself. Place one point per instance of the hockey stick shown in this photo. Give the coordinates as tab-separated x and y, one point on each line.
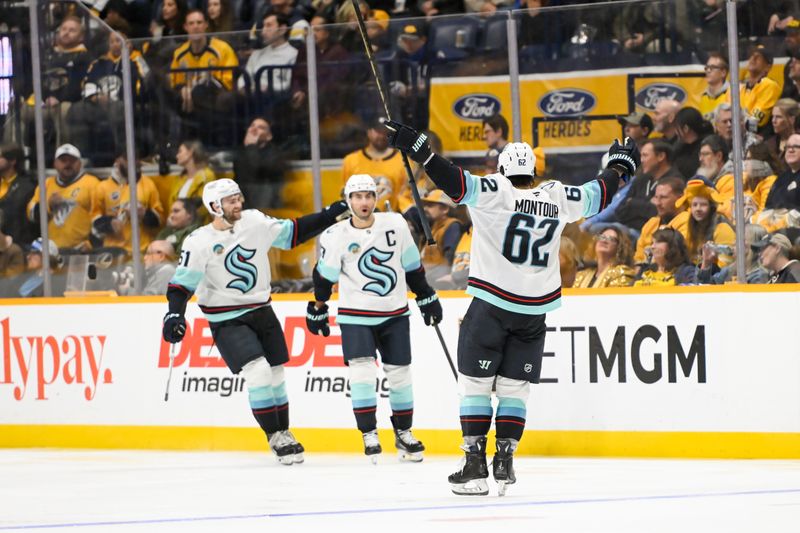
169	376
382	93
446	351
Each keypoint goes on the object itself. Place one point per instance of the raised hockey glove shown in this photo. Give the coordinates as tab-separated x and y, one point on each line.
431	309
317	320
174	327
410	141
624	157
334	210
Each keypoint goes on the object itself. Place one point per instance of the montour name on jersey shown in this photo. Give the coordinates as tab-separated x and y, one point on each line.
536	207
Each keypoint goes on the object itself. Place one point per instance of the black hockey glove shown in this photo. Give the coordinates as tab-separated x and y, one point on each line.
431	309
336	209
317	320
174	327
624	157
410	141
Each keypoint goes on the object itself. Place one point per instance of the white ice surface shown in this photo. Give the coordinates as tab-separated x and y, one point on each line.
154	492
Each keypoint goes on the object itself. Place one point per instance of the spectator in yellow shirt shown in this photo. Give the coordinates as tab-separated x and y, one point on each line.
704	223
757	92
668	190
717	86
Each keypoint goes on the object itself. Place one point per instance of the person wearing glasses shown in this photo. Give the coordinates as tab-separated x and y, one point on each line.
782	207
159	267
613	253
717	88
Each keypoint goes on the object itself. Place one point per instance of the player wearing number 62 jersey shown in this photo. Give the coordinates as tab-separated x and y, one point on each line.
515	279
375	260
226	263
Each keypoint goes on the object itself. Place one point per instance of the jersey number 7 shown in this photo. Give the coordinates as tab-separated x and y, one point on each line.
517	246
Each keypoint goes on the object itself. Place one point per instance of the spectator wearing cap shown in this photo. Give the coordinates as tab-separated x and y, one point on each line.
70	196
791	40
692	128
382	162
31	282
701	223
446	231
791	82
757	92
717	88
111	215
409	87
669	261
637	126
711	274
774	256
667	192
664	119
613	258
16	190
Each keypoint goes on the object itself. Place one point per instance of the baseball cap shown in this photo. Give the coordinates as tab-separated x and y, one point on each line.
439	197
792	26
638	119
778	239
68	149
36	246
410	31
763	52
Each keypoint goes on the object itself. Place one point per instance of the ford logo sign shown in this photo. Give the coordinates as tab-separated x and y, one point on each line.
567	102
649	95
476	106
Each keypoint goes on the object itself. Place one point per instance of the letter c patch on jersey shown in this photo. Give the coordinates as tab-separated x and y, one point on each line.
237	263
371	265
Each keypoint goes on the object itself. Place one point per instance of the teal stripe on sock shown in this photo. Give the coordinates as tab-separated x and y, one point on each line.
485	401
401	399
511	407
260	397
467	410
476	405
279	393
363	395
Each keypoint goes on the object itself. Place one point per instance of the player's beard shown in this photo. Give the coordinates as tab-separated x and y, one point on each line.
232	217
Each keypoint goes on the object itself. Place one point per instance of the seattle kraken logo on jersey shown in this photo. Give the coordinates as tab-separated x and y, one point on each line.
236	262
371	265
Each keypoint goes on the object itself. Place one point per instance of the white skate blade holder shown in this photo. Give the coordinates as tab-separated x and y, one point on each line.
409	457
501	488
474	487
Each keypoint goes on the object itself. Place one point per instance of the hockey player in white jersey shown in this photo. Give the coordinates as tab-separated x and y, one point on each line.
226	263
515	280
374	259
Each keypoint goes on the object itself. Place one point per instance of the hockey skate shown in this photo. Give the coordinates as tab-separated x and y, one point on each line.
372	446
298	448
282	447
503	464
409	449
471	478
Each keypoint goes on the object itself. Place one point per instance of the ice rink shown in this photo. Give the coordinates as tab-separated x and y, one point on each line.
119	491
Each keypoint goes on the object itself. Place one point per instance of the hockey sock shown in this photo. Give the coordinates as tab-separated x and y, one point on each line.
281	399
475	405
363	373
401	396
258	377
512	396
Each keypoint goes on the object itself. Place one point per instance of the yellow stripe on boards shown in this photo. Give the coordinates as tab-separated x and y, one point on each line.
716	445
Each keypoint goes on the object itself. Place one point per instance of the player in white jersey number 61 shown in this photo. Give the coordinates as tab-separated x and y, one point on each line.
515	280
226	263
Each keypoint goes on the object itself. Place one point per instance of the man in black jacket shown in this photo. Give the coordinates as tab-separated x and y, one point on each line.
16	189
259	166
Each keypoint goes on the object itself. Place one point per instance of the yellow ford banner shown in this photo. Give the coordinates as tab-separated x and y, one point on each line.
561	112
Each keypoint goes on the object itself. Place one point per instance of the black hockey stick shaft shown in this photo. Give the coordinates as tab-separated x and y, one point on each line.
362	28
446	351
